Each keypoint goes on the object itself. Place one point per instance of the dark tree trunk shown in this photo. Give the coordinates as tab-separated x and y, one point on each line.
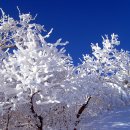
8	119
39	125
81	109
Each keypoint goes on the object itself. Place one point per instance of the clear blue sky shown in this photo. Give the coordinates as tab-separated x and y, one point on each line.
81	22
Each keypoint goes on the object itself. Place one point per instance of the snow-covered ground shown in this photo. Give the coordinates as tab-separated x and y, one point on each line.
118	119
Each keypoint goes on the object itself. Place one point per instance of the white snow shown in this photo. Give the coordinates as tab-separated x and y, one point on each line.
118	119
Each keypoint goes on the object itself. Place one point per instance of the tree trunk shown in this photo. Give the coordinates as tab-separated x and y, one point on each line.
81	109
39	126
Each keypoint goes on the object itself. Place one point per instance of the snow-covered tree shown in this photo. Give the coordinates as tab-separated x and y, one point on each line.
37	73
108	73
42	89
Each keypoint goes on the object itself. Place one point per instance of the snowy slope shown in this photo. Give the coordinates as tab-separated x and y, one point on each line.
118	119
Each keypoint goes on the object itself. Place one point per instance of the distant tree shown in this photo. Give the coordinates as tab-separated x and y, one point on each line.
40	88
